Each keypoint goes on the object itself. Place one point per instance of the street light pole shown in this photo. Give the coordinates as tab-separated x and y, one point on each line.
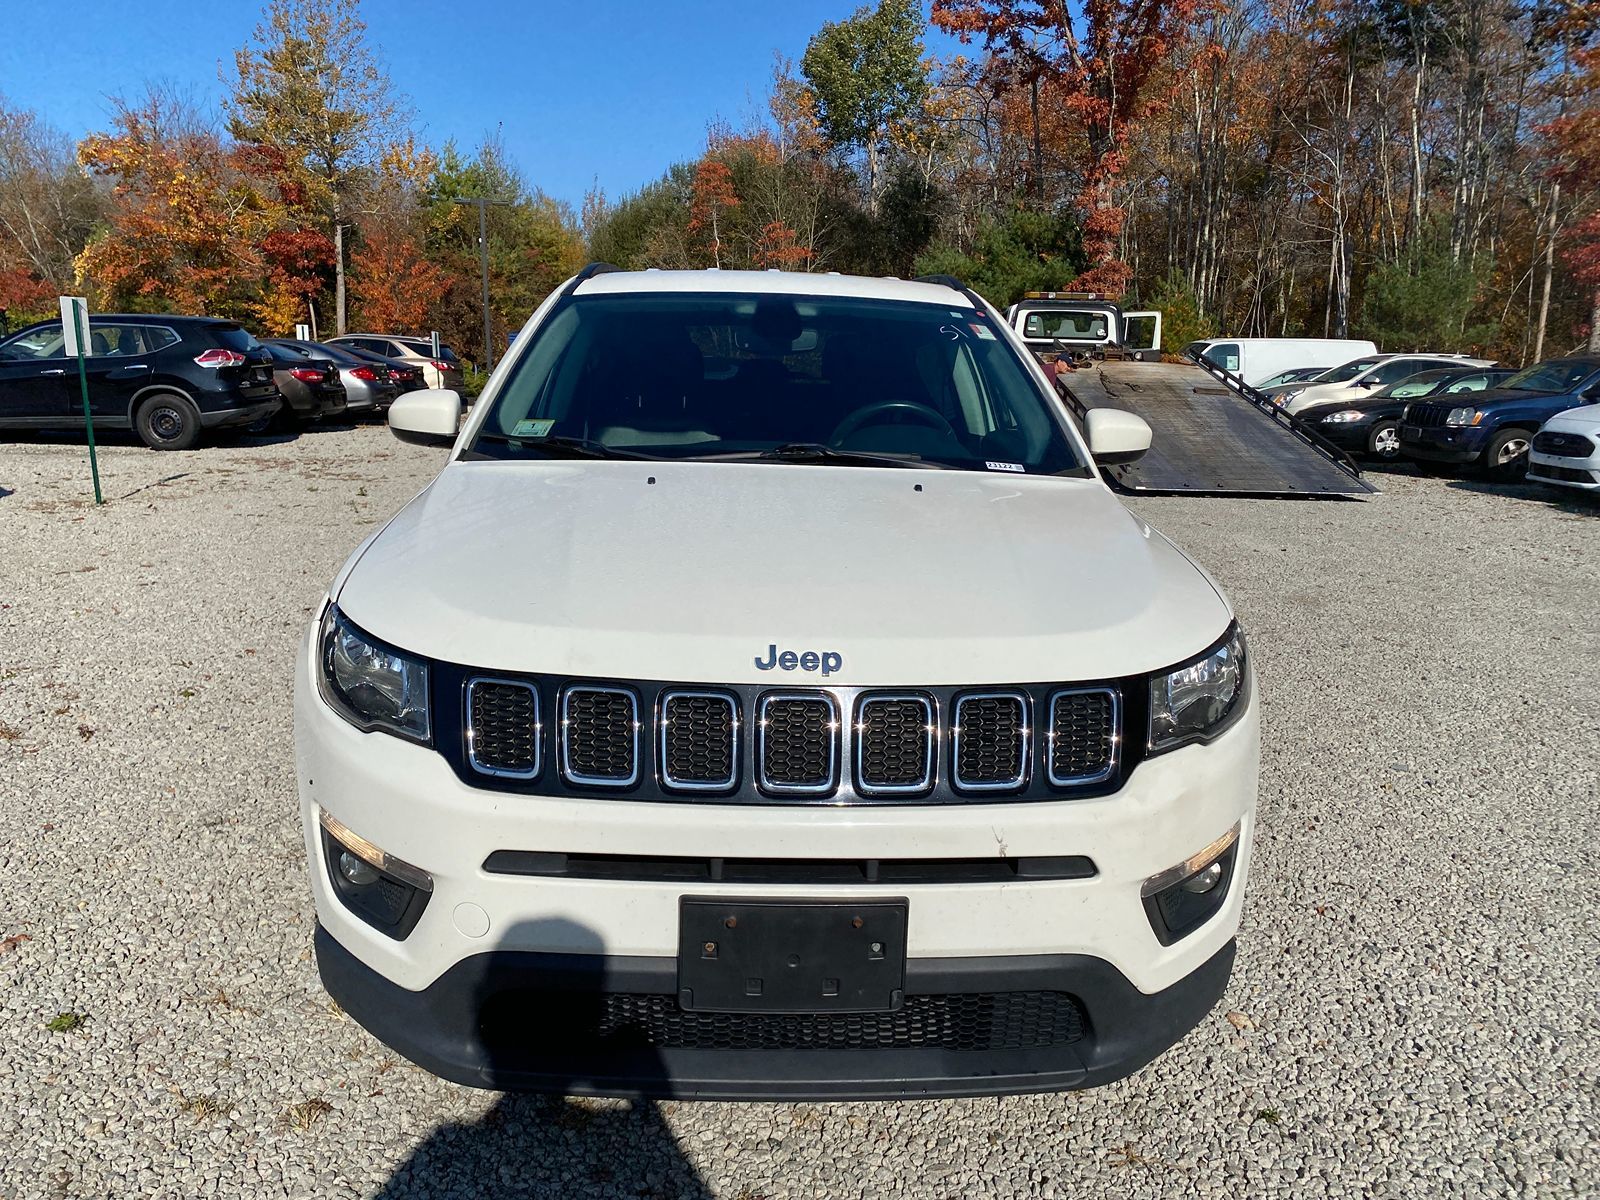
482	203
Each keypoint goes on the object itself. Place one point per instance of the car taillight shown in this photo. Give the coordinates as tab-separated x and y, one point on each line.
221	358
307	374
439	365
365	374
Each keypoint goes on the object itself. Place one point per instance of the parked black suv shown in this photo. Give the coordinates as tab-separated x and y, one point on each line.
165	377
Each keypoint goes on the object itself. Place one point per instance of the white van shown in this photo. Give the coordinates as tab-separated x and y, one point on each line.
1257	360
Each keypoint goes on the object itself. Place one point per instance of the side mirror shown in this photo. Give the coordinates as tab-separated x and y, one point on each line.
1116	437
427	418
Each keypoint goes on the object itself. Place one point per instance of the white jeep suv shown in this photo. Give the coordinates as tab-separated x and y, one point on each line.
770	699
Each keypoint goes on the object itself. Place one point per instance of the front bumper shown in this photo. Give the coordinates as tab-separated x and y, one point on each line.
1448	443
520	1021
1580	473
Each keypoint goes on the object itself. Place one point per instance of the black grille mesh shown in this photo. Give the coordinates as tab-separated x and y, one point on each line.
698	739
992	740
599	734
1426	416
961	1021
894	738
797	742
1563	445
505	727
1083	737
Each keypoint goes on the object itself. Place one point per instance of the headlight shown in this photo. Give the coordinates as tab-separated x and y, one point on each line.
1200	699
372	686
1463	416
1291	394
1343	418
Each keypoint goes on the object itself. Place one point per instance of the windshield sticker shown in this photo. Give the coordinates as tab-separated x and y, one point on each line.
533	429
983	331
1005	466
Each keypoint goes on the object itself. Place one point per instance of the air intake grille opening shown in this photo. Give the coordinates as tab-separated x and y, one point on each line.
503	728
1083	736
600	736
991	741
698	740
799	739
894	744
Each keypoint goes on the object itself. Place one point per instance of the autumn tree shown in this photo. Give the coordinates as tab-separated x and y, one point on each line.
48	208
712	196
868	76
309	84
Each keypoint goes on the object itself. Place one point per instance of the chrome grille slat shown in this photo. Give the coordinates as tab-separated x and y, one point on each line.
504	734
699	744
797	750
1083	737
989	741
600	735
894	741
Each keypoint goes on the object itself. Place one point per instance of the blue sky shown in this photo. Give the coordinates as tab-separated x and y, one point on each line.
607	89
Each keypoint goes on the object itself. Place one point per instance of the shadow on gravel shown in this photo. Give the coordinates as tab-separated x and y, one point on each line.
5	491
1567	500
528	1015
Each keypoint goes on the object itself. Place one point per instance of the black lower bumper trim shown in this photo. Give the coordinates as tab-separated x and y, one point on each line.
513	1021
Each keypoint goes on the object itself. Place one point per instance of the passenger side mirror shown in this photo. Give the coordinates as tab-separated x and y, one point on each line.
431	417
1116	437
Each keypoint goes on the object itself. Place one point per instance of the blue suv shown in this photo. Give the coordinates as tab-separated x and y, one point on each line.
1494	428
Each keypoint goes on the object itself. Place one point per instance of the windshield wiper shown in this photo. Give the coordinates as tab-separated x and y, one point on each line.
564	447
816	452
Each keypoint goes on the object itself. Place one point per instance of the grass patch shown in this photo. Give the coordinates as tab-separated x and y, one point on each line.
65	1022
307	1113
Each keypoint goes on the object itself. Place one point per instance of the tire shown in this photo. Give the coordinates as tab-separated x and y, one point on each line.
168	421
1505	460
1383	443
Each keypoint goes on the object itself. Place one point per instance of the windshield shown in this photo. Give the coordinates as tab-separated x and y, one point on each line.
1562	375
426	348
1347	372
684	376
1066	324
1413	386
234	337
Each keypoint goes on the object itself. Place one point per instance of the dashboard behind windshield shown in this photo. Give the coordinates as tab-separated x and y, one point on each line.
685	376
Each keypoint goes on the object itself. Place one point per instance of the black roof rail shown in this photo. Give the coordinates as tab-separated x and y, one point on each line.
589	272
950	281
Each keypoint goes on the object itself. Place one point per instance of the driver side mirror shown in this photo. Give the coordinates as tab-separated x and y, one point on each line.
431	417
1116	437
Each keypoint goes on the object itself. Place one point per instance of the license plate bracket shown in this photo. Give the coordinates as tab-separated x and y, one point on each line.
791	956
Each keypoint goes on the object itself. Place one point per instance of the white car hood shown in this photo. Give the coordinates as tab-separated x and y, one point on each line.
1583	419
690	571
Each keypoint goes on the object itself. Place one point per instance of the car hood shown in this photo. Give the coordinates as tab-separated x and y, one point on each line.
692	571
1583	419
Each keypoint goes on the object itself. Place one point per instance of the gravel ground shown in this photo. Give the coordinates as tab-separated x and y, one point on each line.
1417	983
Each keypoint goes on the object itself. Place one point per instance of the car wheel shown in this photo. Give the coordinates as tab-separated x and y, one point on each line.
168	422
1506	459
1384	441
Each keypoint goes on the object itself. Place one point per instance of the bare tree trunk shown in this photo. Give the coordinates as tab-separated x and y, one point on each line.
1594	323
1549	269
338	271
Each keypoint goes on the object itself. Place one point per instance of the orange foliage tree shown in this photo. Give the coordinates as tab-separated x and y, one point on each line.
712	196
394	284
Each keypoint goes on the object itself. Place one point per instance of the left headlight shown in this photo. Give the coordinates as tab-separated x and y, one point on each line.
373	686
1463	416
1341	418
1201	698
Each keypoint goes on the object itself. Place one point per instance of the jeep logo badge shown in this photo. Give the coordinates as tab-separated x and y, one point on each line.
826	661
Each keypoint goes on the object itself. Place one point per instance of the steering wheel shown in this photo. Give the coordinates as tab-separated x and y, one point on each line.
866	416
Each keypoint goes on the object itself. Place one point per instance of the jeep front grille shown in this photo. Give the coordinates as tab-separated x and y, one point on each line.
990	741
503	731
894	744
699	740
798	738
600	736
1083	736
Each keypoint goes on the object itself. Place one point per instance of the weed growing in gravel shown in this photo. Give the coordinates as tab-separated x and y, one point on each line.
1270	1115
9	733
1126	1155
204	1108
64	1022
307	1113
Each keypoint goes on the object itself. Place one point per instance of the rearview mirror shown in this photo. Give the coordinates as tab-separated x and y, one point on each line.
1116	437
429	418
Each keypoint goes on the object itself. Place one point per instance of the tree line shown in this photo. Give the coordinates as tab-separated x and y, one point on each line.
1423	172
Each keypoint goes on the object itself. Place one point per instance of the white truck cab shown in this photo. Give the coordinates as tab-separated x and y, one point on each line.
770	699
1083	325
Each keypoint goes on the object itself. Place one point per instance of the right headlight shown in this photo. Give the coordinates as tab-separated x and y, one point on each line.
1463	416
371	685
1201	698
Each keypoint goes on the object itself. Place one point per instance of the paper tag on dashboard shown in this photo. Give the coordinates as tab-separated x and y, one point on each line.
1005	466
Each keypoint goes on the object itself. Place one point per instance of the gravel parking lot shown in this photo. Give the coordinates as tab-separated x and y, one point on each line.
1415	1011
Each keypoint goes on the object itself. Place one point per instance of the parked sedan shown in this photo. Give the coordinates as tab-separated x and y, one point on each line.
168	378
1495	429
1566	451
1371	427
1358	379
311	387
406	375
1293	375
367	388
441	372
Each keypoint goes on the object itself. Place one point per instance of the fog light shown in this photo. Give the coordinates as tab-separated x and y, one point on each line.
1182	898
355	870
1202	882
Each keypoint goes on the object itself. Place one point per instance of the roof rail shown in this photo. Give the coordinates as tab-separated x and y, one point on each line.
589	272
950	281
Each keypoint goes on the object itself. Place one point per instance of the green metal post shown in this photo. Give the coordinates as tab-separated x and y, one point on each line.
88	420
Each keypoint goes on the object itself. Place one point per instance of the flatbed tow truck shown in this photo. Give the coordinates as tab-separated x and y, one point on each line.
1214	433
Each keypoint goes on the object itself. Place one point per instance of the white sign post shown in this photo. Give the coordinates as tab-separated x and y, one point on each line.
76	343
302	333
